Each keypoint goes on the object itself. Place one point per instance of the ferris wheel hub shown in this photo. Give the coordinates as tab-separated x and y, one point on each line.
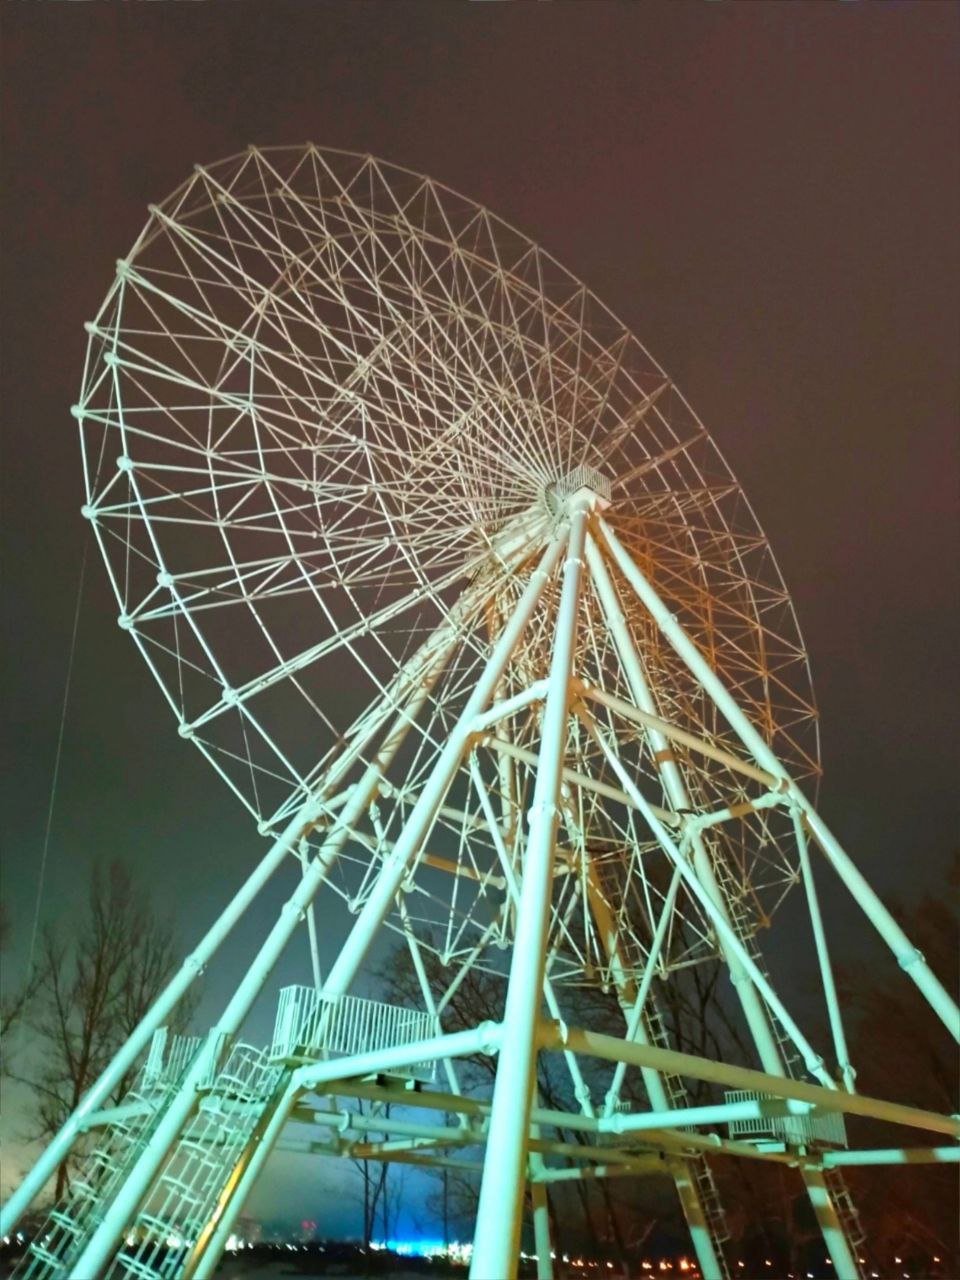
582	479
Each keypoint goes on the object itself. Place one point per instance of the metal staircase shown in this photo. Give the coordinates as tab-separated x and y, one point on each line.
698	1166
103	1169
744	924
185	1193
656	1030
847	1211
198	1173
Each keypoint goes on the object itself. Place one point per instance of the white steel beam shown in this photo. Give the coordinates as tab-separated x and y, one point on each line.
908	957
101	1244
748	980
500	1208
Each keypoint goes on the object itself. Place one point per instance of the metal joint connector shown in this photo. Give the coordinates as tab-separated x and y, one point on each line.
492	1034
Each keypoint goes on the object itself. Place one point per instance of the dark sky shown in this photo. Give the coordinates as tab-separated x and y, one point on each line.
766	194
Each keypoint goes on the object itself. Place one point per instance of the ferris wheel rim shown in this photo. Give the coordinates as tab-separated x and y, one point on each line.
622	331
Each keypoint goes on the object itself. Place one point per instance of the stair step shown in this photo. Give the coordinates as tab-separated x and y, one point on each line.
136	1267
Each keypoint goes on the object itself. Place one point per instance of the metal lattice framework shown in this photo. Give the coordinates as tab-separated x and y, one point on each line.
320	391
439	570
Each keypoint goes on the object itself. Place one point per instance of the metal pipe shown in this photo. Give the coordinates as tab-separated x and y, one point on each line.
711	1262
744	973
651	720
892	1155
208	1249
676	788
484	1038
642	1165
732	944
580	1089
635	1016
721	1113
509	706
124	1059
907	955
416	828
500	1207
126	1056
125	1203
823	956
593	1043
575	778
206	1254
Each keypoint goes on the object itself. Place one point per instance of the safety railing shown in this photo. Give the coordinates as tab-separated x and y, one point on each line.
309	1026
168	1058
581	477
825	1128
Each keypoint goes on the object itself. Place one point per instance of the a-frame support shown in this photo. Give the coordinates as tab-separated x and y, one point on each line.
510	1162
842	1256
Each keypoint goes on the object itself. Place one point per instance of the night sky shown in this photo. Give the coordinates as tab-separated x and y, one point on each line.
767	195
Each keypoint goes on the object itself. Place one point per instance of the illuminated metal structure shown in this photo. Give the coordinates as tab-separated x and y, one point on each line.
441	573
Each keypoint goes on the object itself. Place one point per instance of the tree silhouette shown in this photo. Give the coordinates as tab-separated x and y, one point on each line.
93	983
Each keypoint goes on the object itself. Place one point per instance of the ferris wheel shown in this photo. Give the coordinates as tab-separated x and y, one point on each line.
441	573
328	404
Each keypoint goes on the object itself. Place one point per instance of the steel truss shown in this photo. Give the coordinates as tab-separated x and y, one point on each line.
228	1106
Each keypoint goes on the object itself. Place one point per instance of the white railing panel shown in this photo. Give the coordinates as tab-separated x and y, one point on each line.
826	1128
311	1026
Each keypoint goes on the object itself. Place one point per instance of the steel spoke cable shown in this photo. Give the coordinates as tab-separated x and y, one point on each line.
58	754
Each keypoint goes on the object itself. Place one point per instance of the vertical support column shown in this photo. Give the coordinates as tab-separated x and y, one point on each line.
453	1082
701	1237
541	1224
500	1208
303	854
676	790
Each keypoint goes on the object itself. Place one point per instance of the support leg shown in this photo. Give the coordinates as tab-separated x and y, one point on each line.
123	1061
422	671
754	1012
541	1226
835	1238
907	955
104	1239
500	1208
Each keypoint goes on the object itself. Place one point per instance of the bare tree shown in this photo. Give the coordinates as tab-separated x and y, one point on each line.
93	984
903	1053
585	1214
373	1179
14	1002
